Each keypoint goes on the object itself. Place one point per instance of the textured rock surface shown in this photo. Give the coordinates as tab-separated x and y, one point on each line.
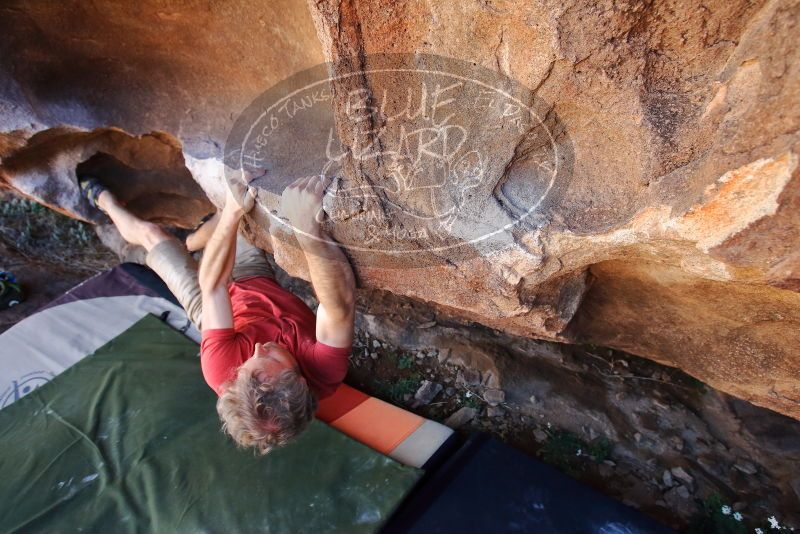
186	69
658	418
683	200
146	172
676	236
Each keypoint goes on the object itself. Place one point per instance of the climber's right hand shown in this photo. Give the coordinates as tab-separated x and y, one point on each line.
301	204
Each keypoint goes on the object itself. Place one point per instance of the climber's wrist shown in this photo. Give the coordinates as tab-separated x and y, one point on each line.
310	229
232	207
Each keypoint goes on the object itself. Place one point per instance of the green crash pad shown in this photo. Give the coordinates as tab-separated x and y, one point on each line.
128	440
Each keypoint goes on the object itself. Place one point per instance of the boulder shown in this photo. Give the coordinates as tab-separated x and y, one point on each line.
652	206
145	172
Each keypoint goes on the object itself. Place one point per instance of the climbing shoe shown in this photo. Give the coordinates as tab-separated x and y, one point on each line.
91	188
10	291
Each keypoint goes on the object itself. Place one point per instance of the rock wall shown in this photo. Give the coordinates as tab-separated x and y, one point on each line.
145	172
675	236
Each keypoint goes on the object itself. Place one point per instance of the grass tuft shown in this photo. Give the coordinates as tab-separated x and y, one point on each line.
395	391
43	235
567	451
710	518
405	361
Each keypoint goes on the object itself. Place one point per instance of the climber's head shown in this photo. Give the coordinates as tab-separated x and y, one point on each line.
269	401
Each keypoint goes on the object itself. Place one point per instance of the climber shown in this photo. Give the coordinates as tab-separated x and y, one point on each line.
263	351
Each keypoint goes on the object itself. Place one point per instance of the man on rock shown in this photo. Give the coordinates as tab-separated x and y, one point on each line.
263	351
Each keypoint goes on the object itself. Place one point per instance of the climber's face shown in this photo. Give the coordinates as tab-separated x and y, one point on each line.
269	359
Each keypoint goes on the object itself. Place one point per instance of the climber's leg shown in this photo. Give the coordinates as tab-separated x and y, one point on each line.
250	261
178	269
166	255
133	229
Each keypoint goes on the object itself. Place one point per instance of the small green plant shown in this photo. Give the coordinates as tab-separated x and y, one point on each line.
715	517
562	450
405	361
471	400
600	449
395	391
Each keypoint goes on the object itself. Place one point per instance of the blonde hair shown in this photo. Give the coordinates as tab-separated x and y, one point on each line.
267	414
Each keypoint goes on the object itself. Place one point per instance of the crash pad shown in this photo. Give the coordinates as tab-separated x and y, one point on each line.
128	440
488	486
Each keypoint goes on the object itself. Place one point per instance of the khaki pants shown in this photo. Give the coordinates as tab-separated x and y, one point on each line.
178	269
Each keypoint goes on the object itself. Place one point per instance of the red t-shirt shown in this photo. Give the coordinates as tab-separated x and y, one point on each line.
262	312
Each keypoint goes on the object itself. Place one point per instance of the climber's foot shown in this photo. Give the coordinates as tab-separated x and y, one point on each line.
134	230
93	189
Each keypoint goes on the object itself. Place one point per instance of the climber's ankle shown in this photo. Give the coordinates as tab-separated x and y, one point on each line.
105	200
150	235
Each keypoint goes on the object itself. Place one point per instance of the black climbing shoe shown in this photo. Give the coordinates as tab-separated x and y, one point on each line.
91	188
10	291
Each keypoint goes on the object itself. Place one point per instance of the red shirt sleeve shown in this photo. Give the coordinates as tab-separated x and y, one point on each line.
222	351
324	366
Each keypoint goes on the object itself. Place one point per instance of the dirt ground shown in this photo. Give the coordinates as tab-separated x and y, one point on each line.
649	435
47	252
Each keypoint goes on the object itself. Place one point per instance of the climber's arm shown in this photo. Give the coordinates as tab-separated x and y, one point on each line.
216	267
334	284
328	267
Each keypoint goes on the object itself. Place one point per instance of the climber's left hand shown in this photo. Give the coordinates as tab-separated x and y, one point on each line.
241	196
